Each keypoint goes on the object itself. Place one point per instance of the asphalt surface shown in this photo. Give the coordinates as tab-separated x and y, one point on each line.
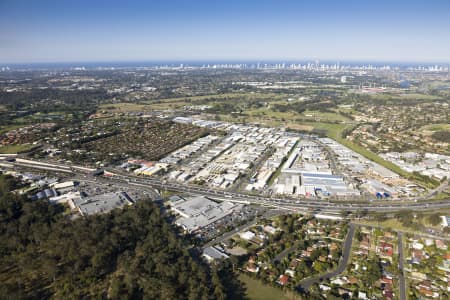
401	259
293	204
285	252
227	235
347	247
280	203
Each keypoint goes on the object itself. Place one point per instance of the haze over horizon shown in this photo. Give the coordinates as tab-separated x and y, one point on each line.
63	31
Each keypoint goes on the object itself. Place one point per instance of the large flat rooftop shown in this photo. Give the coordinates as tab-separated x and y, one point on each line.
198	212
102	203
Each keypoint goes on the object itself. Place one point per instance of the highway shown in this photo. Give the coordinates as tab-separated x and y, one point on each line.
279	205
293	204
269	201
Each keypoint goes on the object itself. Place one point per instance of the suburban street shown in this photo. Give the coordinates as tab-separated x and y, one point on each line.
243	227
401	277
275	206
285	252
346	248
245	150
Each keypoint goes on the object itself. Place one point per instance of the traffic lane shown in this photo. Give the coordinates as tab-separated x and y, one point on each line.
402	283
305	284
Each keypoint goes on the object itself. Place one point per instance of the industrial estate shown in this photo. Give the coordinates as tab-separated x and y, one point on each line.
332	183
225	150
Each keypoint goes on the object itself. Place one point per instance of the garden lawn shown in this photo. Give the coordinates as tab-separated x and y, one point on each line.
258	291
12	149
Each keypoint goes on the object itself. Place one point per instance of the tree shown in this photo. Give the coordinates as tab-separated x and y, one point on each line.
435	219
130	253
315	292
358	234
361	213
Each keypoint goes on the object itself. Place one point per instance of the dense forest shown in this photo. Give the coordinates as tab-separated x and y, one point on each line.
128	254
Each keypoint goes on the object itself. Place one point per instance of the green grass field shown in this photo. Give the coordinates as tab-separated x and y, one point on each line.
124	107
419	96
373	157
5	129
443	195
198	98
389	223
405	96
334	131
171	103
435	127
325	116
41	117
258	291
12	149
291	116
331	122
178	103
395	224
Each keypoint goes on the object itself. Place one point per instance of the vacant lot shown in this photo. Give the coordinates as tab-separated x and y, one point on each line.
11	149
429	129
5	129
258	291
301	127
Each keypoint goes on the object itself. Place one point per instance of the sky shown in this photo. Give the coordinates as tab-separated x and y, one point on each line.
211	30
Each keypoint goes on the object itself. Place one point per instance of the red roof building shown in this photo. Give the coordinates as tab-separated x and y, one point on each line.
283	279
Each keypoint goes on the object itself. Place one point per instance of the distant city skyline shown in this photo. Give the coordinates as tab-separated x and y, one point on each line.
176	30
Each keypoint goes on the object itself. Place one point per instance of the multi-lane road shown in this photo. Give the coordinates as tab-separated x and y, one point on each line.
279	204
275	202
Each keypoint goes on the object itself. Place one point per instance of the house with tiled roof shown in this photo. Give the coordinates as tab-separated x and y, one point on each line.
283	279
385	249
440	245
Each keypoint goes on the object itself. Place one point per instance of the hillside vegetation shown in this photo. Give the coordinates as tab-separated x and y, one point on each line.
128	254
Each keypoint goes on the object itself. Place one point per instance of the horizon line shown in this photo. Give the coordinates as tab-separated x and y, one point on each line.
225	60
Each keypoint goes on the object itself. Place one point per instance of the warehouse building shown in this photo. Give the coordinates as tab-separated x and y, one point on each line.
198	212
101	203
213	253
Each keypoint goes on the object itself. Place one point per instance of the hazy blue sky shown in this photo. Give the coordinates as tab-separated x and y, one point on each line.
82	30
